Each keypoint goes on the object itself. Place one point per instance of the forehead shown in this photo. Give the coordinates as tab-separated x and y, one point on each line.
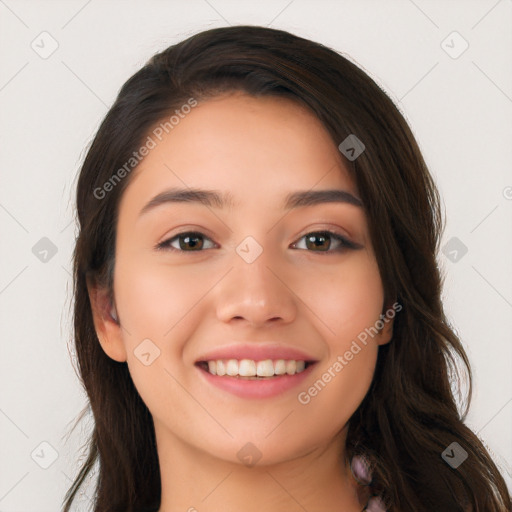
252	148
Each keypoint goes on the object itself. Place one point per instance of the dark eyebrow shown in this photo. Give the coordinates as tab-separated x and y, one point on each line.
215	199
312	197
210	198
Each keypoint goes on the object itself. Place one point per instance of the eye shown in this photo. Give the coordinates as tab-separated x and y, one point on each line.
316	241
322	240
188	241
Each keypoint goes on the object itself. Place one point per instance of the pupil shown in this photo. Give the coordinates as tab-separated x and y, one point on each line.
190	240
311	239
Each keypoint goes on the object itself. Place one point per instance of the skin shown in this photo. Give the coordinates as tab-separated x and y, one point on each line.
259	150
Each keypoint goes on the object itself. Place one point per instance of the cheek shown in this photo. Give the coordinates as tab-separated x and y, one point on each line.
162	304
348	302
158	301
346	299
157	314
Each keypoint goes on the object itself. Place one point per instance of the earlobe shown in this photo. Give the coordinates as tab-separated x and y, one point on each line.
106	323
113	314
386	322
386	333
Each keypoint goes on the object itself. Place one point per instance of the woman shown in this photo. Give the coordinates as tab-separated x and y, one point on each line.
258	316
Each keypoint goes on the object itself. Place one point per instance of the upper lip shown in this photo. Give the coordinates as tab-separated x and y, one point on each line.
256	352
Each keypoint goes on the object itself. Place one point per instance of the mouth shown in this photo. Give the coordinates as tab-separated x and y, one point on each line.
255	370
250	369
251	379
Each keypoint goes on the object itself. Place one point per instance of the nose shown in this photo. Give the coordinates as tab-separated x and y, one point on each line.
256	293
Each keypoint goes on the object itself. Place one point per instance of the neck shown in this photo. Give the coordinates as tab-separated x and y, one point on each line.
195	481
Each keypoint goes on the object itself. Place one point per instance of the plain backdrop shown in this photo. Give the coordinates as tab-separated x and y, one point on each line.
457	100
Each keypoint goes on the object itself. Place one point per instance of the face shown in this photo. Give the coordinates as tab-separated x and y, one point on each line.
256	278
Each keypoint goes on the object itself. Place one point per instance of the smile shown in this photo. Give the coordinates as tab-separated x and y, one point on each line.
249	368
247	378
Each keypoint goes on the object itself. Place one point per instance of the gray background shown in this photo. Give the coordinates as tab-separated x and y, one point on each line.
458	103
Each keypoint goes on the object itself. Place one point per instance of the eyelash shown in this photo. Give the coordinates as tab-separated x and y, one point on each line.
345	244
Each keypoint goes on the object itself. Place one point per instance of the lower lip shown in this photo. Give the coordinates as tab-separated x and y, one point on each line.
263	388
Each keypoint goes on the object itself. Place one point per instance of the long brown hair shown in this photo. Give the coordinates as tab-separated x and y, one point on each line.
410	414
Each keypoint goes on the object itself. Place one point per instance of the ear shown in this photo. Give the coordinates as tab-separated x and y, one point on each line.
387	318
106	323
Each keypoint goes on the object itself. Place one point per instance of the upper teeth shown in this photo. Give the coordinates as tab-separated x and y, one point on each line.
250	368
